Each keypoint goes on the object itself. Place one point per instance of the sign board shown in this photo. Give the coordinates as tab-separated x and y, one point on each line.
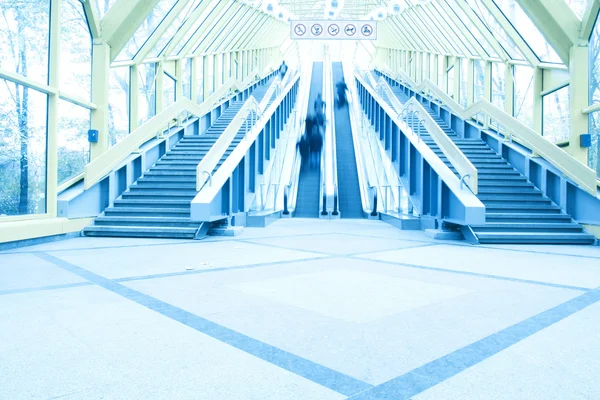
333	30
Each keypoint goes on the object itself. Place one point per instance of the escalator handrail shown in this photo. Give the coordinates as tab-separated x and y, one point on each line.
332	196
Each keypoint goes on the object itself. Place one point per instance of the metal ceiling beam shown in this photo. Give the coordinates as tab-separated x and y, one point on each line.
122	21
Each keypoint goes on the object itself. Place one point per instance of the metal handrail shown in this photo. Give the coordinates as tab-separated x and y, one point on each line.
333	178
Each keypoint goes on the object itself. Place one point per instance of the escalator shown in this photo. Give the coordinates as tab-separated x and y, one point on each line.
309	182
348	185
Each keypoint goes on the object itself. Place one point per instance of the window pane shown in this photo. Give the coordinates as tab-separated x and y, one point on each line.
471	28
169	90
73	145
528	30
187	78
147	98
75	51
118	105
479	72
146	29
594	56
556	115
103	6
498	82
524	94
173	28
210	74
578	7
23	141
450	82
464	82
494	27
200	80
594	151
29	21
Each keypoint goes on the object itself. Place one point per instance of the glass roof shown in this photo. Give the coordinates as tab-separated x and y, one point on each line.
498	30
479	29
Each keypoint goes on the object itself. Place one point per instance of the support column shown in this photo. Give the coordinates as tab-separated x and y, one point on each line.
578	99
457	78
52	116
218	71
179	78
445	64
194	76
470	82
487	81
435	71
426	66
205	81
100	88
509	89
134	93
538	108
160	87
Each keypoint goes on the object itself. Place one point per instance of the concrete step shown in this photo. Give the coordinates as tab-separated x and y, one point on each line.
534	238
178	222
140	231
525	191
150	203
158	195
524	208
167	172
533	197
541	218
141	211
163	186
168	179
529	226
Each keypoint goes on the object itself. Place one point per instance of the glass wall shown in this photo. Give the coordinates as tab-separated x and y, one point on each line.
479	75
23	141
187	78
24	35
594	97
450	81
73	145
464	82
118	105
147	97
200	79
556	121
169	90
75	51
498	85
523	102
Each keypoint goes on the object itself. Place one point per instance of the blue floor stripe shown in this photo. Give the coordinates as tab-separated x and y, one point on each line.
429	375
476	274
307	369
42	288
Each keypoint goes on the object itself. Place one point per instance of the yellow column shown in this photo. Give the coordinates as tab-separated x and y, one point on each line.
457	67
194	78
487	81
179	78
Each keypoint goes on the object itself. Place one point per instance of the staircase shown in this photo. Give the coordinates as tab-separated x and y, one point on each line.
516	211
158	204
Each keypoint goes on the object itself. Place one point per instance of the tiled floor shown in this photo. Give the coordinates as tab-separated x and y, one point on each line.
303	309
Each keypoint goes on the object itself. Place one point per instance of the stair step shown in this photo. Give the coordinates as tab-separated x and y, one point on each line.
167	179
149	203
534	197
498	171
161	194
141	185
541	217
141	231
503	207
534	238
527	226
165	172
141	211
509	190
178	222
493	178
